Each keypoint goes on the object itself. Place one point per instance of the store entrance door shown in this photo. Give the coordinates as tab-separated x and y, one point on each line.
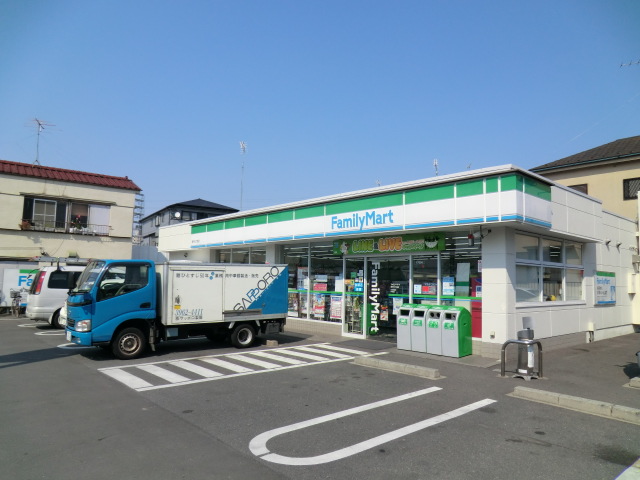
388	282
354	306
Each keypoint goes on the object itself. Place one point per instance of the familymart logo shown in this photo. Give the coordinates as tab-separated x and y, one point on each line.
361	221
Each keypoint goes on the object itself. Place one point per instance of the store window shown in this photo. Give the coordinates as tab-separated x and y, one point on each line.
258	255
527	247
527	283
425	279
240	255
547	269
297	258
224	256
326	283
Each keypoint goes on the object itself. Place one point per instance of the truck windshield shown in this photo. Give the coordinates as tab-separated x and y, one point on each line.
88	277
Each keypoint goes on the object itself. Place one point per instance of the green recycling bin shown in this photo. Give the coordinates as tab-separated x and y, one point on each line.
456	332
434	330
404	327
419	328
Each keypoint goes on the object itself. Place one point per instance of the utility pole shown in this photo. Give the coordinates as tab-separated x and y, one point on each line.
243	150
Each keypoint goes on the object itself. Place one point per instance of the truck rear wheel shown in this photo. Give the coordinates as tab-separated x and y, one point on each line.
243	336
129	343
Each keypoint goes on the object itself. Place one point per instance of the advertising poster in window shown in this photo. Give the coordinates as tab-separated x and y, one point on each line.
605	288
336	307
448	285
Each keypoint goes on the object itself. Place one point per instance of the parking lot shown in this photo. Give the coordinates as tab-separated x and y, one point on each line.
299	410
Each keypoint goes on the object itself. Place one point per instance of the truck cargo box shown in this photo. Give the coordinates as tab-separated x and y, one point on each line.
210	293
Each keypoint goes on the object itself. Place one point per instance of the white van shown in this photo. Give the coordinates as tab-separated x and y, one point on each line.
48	292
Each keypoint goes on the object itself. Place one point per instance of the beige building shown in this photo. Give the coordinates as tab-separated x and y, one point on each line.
53	212
610	173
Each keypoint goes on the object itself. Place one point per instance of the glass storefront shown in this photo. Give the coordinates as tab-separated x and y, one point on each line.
364	293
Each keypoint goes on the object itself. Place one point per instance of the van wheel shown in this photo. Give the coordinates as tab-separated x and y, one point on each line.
129	343
243	336
55	320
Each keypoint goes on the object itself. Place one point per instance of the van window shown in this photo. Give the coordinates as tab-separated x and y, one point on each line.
63	280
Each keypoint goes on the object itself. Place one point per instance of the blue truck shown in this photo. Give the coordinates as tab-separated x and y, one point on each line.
128	306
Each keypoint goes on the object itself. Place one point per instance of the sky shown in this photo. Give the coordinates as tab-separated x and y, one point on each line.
329	96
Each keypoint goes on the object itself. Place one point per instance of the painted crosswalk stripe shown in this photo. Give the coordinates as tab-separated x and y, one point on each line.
325	352
227	365
125	377
163	373
307	356
197	369
255	361
278	358
340	349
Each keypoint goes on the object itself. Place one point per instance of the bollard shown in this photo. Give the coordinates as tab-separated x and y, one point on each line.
526	358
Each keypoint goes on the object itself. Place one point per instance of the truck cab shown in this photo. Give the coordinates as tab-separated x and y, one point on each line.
113	304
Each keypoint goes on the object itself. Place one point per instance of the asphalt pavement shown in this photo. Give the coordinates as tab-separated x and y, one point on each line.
604	373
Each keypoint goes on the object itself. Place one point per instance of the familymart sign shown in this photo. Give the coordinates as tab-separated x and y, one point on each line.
390	244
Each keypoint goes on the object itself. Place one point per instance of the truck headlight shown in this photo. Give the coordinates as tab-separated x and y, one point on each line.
83	326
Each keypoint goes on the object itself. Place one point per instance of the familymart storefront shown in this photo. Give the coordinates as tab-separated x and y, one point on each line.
501	242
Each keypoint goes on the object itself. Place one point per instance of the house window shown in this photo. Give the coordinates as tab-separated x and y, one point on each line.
547	269
44	213
583	187
630	188
64	216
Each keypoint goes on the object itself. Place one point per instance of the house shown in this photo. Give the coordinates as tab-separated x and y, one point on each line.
610	172
173	214
54	212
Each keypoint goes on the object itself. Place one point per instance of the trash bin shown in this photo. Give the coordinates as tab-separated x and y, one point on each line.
419	328
456	332
404	327
434	330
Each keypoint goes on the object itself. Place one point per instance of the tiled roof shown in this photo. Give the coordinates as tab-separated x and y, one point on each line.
216	208
63	175
620	149
200	203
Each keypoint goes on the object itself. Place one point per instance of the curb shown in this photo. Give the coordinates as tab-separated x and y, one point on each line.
593	407
416	370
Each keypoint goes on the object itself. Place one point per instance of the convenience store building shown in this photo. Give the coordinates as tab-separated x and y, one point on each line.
502	242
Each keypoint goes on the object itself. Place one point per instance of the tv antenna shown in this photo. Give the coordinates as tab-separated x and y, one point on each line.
629	64
40	124
243	150
435	165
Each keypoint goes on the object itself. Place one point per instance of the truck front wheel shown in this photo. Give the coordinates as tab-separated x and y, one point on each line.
243	336
129	343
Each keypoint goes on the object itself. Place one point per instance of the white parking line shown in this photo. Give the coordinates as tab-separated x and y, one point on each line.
258	444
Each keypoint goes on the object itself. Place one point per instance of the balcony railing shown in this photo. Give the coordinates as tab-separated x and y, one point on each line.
65	227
